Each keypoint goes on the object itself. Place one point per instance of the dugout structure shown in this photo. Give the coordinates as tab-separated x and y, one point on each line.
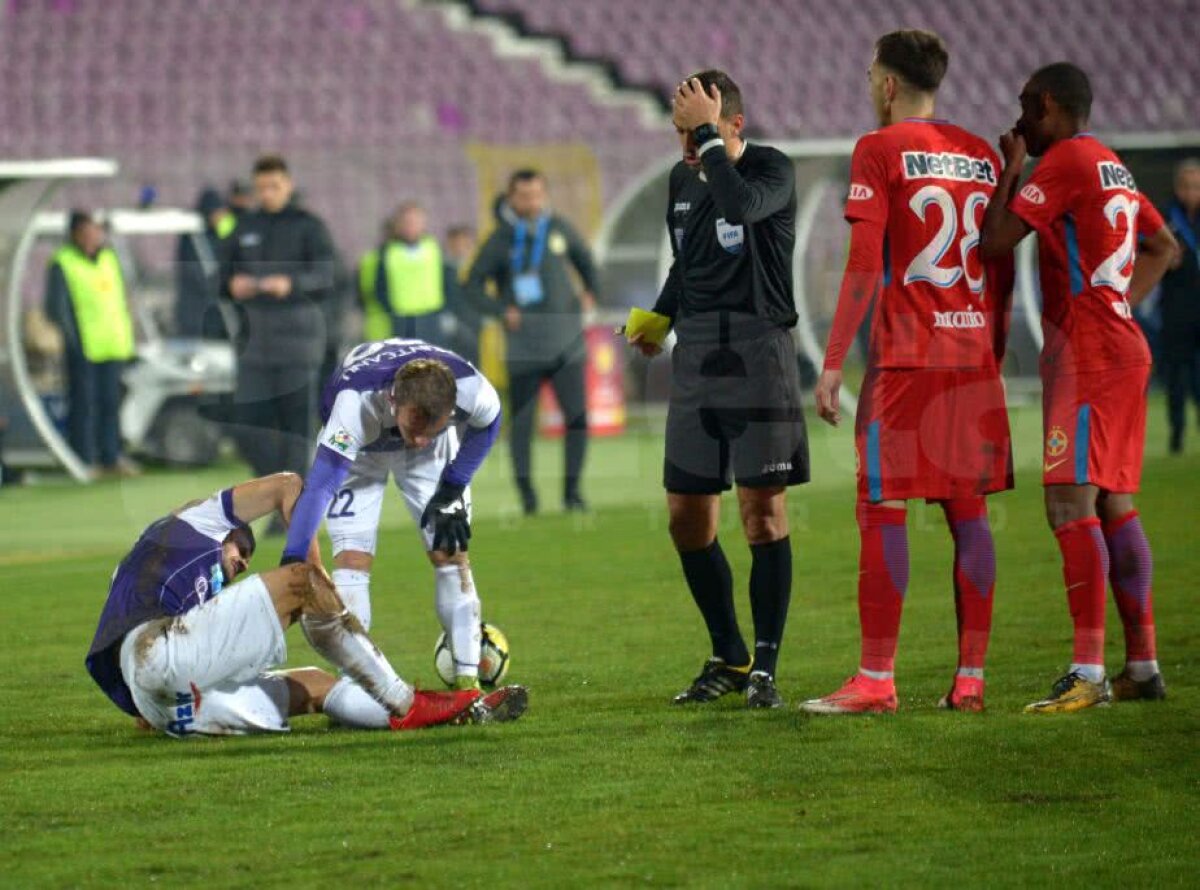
25	188
634	249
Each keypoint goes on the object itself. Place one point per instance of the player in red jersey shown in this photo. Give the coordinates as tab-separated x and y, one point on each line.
1102	246
931	421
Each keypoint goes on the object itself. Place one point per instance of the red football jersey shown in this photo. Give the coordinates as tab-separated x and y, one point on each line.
929	183
1088	214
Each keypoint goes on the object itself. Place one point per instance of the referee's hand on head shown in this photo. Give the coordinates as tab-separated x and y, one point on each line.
829	391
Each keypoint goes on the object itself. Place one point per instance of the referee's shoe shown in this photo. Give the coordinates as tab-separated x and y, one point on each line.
715	680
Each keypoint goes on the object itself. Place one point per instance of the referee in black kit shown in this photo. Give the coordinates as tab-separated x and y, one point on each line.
735	393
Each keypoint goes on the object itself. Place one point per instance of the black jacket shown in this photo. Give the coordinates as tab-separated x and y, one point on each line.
552	328
732	236
1180	295
290	332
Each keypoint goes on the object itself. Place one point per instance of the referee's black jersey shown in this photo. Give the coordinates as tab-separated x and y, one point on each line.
732	234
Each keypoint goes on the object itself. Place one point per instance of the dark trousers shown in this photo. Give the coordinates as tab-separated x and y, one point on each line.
93	409
567	379
1181	374
276	410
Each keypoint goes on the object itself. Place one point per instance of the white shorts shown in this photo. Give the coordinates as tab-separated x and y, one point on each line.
353	516
203	672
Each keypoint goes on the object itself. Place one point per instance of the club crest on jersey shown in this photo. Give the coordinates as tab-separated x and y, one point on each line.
962	321
1114	176
860	192
1056	442
1033	194
730	237
340	440
947	165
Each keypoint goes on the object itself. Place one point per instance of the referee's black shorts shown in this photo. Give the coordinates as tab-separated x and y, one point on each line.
735	411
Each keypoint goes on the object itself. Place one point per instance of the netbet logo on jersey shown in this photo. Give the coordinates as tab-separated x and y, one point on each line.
946	165
1114	176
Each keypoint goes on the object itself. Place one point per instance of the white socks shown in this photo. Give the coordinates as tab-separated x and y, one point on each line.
355	588
459	611
350	705
341	639
1093	673
1141	670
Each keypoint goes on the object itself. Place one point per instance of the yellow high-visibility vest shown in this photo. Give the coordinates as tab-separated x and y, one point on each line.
377	324
97	290
414	279
226	225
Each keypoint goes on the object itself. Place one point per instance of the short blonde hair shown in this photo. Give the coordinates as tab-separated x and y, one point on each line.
427	385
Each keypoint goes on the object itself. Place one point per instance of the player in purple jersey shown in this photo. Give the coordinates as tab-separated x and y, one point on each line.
428	418
183	647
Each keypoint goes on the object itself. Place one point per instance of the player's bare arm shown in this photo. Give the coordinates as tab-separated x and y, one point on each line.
1002	229
276	493
1154	256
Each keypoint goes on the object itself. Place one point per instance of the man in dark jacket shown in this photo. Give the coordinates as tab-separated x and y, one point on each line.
278	267
197	274
528	260
1180	302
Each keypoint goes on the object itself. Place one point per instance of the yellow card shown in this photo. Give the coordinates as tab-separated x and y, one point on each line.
652	326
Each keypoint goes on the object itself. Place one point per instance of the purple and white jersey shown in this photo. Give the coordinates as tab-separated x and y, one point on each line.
354	404
174	567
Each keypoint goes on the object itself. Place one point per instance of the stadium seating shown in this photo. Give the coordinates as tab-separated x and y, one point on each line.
377	100
802	62
372	101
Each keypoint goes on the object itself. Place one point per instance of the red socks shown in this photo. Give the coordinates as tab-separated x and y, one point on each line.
1085	571
1130	573
882	583
974	580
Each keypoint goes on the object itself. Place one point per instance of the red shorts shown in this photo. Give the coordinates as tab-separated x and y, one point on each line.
933	433
1095	428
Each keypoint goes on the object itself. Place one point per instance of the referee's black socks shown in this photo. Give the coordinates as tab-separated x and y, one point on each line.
770	595
711	582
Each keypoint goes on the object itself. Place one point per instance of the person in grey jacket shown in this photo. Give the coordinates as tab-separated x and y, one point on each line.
278	267
527	259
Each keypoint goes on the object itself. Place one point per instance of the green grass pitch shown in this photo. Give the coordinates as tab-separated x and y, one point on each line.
604	783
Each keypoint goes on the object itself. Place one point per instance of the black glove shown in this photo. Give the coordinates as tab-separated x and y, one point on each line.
448	514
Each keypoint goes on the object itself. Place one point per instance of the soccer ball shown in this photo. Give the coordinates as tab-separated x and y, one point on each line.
493	657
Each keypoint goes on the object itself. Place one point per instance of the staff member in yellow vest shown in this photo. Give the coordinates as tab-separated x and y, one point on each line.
407	300
85	296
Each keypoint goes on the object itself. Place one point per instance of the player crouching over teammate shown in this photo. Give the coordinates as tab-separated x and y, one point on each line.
931	421
1101	248
187	650
428	418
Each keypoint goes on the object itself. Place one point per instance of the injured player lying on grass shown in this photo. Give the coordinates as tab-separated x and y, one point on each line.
187	651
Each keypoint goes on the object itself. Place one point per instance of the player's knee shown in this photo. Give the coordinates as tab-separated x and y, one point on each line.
317	594
763	528
1065	506
355	560
439	558
690	532
763	519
